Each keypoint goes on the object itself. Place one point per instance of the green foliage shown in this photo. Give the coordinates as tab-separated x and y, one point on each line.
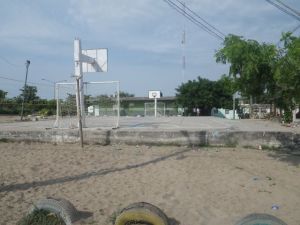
205	94
45	112
288	116
30	93
267	73
223	92
2	95
287	72
113	217
41	217
251	65
32	105
125	94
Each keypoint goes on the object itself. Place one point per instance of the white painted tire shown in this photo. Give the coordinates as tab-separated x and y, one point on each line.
61	207
257	218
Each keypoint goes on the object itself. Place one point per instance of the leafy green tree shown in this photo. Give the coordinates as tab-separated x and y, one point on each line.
125	94
223	92
30	93
287	75
205	94
251	65
2	95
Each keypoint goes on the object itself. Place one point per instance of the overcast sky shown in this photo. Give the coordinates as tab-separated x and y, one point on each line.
143	38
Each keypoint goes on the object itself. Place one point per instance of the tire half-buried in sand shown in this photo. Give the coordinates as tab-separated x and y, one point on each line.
141	213
61	207
265	219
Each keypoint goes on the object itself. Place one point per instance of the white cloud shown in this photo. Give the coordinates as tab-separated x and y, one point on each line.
26	26
137	31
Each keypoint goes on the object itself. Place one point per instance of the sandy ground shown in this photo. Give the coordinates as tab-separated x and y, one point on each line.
9	118
203	186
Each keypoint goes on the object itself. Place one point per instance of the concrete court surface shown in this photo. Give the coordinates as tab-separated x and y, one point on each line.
182	131
160	123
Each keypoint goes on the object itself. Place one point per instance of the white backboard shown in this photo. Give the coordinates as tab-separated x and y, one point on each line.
94	60
154	94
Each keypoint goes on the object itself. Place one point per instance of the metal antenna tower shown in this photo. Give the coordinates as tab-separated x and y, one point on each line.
183	46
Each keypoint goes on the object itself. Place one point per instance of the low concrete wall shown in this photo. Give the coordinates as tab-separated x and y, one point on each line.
159	137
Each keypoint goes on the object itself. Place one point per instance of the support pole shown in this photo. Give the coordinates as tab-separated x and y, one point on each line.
78	74
24	90
79	113
79	85
233	97
57	106
118	99
155	107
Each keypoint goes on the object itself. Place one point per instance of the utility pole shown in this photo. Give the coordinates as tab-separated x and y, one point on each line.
24	90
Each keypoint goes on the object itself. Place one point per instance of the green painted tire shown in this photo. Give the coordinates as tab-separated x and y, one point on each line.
141	213
260	219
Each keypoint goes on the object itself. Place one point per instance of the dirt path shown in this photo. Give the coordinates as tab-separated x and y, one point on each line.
205	186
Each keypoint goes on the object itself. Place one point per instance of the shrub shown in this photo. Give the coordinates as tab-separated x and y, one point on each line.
41	217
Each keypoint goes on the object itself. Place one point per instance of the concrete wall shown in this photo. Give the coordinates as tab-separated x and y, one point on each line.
287	140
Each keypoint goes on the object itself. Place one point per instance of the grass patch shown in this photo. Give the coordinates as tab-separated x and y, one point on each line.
112	218
41	217
263	147
4	140
249	147
231	143
269	148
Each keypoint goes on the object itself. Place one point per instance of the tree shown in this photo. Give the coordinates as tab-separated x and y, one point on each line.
287	74
251	65
2	95
125	94
30	93
123	103
223	92
205	94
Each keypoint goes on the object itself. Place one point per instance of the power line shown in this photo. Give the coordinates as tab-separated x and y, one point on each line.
285	10
296	28
8	62
202	19
292	31
288	7
193	19
21	81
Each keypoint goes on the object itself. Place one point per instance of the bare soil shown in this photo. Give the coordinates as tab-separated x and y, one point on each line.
203	186
9	118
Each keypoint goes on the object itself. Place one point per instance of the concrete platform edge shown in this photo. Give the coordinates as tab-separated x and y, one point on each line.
267	139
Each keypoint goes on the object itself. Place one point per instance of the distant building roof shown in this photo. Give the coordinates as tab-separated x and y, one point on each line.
133	99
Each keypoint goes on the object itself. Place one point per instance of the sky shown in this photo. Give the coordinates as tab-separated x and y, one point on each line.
143	38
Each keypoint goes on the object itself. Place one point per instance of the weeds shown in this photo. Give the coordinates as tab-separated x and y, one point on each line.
41	217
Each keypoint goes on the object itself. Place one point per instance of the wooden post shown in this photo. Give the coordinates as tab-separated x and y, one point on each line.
79	113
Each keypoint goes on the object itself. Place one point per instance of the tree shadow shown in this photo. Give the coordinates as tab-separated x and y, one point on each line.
197	138
83	176
83	215
291	157
173	221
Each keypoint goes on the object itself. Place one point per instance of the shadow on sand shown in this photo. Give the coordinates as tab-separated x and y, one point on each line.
290	157
102	172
